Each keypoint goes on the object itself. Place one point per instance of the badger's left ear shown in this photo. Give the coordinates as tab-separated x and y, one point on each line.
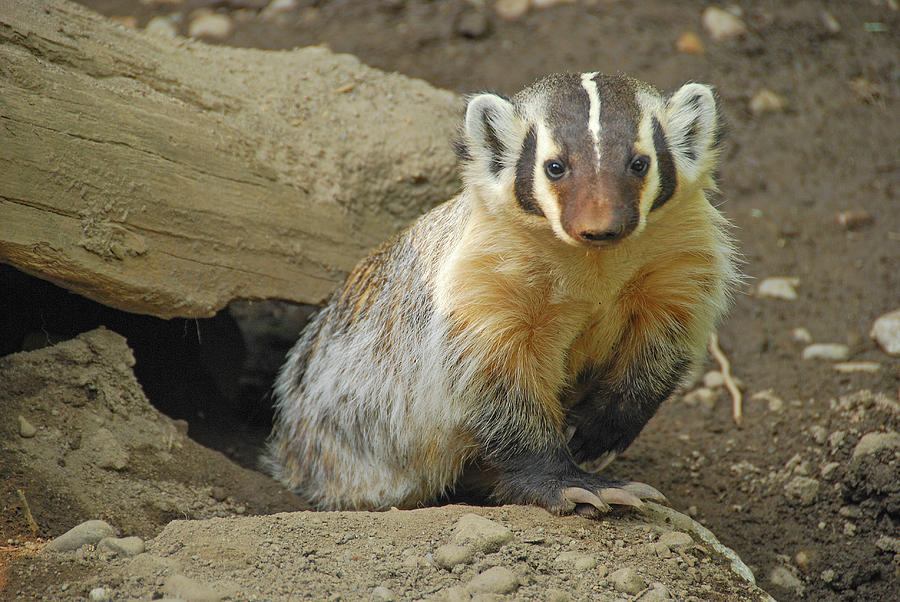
691	123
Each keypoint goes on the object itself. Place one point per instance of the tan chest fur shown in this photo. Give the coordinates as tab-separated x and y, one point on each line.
536	311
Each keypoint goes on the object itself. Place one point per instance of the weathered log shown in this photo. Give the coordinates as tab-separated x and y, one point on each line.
170	177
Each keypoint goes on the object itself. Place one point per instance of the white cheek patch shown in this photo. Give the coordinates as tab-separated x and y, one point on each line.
543	193
590	86
649	106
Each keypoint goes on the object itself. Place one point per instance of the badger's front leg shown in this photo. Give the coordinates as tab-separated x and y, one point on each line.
528	463
615	401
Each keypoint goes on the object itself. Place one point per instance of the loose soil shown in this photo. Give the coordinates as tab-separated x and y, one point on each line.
785	177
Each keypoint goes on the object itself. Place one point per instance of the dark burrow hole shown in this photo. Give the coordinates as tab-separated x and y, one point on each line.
214	373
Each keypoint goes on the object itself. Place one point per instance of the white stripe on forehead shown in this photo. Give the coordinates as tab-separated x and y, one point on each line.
590	86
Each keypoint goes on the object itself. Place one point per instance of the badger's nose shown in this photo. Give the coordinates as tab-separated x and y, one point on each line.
598	236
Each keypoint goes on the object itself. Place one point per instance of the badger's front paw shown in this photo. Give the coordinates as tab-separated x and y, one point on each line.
597	499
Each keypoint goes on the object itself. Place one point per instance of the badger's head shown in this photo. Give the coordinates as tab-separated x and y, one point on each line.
592	156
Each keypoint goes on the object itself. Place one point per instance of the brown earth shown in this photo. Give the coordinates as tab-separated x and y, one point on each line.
786	175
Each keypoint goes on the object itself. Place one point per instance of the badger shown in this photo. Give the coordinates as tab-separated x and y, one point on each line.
520	335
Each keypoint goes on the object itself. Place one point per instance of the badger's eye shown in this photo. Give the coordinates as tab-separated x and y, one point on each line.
555	169
639	166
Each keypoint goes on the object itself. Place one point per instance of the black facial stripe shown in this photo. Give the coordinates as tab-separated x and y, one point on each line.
493	143
667	178
524	187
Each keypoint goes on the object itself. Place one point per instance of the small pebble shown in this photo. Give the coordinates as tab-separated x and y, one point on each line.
819	434
122	546
657	593
829	469
496	580
700	396
88	532
106	451
161	26
690	43
578	561
450	555
99	594
853	367
849	529
836	439
383	594
886	332
888	544
482	534
278	7
871	443
721	24
627	581
473	24
215	26
830	23
713	379
510	10
782	577
775	404
556	595
26	429
766	101
802	490
836	352
853	219
801	335
778	287
675	540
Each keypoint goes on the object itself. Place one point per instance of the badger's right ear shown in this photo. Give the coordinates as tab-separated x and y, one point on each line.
489	134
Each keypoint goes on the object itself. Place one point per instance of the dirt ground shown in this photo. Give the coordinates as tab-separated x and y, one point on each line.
812	518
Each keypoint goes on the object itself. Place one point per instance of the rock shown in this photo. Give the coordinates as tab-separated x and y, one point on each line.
496	580
801	335
819	434
450	555
510	10
827	575
627	580
828	470
26	429
473	24
278	7
578	561
852	367
216	26
888	544
782	577
853	219
383	594
722	25
826	351
830	23
179	586
766	101
88	532
675	540
802	490
701	396
99	594
778	287
161	26
836	439
657	593
690	43
106	451
775	404
713	379
482	534
871	443
886	332
122	546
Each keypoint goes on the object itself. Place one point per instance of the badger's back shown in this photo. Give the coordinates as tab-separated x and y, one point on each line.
362	412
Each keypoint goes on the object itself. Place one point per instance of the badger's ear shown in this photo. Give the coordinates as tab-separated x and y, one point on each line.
488	134
692	130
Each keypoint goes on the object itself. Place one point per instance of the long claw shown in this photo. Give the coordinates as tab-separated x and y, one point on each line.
621	497
644	491
578	495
